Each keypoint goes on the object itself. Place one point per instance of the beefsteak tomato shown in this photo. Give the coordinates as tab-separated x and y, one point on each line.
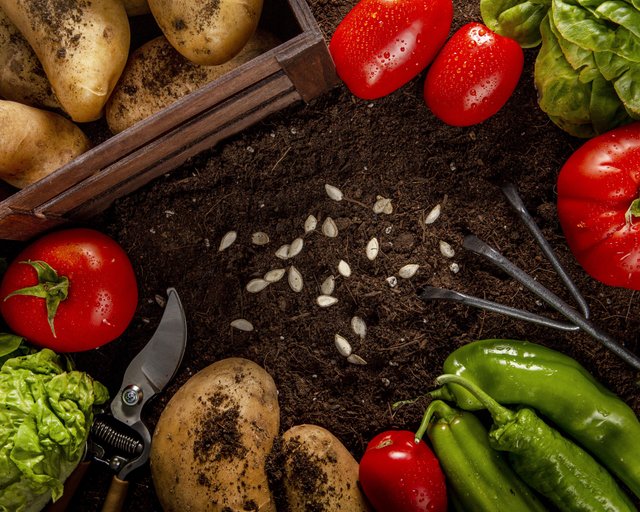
399	475
380	45
71	290
473	76
599	206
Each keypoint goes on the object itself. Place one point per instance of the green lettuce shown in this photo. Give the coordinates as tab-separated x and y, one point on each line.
46	411
587	72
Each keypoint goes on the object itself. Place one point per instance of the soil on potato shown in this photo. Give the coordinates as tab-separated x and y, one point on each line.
271	178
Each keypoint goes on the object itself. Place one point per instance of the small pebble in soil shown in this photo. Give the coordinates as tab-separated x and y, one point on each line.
392	281
454	267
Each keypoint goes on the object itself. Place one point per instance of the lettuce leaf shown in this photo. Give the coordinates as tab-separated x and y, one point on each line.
46	411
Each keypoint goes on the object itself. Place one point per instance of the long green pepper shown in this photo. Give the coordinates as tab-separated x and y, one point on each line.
478	477
554	466
560	389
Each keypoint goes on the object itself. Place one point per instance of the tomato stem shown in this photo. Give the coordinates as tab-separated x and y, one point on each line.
51	287
633	211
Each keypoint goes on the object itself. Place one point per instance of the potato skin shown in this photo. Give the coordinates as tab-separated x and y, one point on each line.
207	32
157	75
82	44
22	78
211	442
34	143
319	472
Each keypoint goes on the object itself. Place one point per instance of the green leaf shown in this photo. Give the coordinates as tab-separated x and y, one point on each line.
515	19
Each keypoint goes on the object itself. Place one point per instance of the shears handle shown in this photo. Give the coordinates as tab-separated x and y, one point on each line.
116	495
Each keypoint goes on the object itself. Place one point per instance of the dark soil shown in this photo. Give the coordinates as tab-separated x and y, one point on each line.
272	176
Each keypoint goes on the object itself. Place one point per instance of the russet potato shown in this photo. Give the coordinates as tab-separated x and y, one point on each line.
82	44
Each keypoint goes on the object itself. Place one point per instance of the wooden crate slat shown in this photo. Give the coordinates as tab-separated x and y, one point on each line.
23	226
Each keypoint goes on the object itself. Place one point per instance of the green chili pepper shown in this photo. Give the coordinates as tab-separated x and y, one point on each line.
559	388
478	477
554	466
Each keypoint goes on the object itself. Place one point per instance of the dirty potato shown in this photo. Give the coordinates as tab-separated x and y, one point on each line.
211	442
34	143
207	32
82	45
157	75
319	472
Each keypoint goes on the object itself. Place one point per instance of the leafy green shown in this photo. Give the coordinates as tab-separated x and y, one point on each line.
46	411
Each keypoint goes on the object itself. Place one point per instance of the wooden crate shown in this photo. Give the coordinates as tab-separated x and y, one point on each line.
299	69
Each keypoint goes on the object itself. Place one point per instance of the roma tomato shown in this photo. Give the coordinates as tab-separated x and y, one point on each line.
473	76
70	291
382	44
399	475
599	206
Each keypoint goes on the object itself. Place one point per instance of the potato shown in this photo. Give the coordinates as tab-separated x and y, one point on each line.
211	442
82	45
207	32
34	143
22	78
157	75
319	472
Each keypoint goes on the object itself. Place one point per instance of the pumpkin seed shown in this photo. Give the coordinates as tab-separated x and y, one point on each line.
328	285
359	326
433	215
344	269
329	228
446	250
295	279
257	285
372	248
310	224
295	247
383	205
242	325
273	276
227	240
356	359
343	346
408	270
259	238
333	192
283	252
325	301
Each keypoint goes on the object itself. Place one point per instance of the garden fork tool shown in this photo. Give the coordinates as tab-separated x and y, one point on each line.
577	320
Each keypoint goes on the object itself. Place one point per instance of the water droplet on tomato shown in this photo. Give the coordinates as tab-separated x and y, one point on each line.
386	55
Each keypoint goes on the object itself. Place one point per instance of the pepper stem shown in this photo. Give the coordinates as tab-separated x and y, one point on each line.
436	408
500	414
633	211
51	287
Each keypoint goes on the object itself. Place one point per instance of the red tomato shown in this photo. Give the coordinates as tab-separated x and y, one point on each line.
382	44
473	76
102	291
599	206
399	475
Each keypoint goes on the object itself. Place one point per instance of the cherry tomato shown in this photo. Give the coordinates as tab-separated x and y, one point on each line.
399	475
70	291
599	206
382	44
473	76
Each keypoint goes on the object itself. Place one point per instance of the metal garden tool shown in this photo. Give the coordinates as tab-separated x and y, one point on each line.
577	320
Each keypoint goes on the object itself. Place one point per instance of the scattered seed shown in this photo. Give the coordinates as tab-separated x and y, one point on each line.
325	301
333	192
260	238
295	279
433	215
358	326
295	247
408	270
388	208
242	325
329	228
446	250
310	224
343	346
382	205
328	285
227	240
356	359
273	276
257	285
160	301
344	268
454	267
283	252
393	281
372	248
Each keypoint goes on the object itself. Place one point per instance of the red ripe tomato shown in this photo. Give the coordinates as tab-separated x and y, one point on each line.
599	206
95	305
382	44
399	475
473	76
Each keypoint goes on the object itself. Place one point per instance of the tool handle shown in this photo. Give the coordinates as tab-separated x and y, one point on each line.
116	495
71	484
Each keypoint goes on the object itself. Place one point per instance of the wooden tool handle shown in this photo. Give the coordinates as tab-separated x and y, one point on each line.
70	486
116	495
